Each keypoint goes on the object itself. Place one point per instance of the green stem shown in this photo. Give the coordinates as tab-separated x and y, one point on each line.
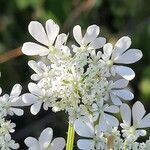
70	137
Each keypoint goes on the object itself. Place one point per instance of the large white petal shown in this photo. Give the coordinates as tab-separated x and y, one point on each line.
125	112
121	83
61	39
126	72
45	138
138	111
58	143
35	108
31	141
85	144
29	98
31	49
91	34
16	90
129	57
34	89
84	129
77	34
112	109
97	43
52	30
113	121
116	100
145	122
124	94
107	49
121	46
37	31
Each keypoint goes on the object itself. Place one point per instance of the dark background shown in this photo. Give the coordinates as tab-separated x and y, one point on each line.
116	18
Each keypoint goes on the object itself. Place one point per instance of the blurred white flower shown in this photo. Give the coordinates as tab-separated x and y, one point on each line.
6	143
10	103
45	38
121	55
134	130
45	141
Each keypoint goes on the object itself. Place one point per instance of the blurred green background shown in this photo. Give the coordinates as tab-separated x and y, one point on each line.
115	17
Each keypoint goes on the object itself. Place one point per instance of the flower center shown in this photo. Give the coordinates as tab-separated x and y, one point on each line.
110	63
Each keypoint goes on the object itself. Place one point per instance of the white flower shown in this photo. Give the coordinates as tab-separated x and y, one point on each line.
100	111
45	141
41	70
93	136
6	143
45	38
132	132
89	41
6	127
117	91
10	103
36	98
121	55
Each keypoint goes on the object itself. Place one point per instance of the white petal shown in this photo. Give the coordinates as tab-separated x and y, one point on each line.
113	121
34	65
108	49
124	94
37	31
85	144
126	72
112	109
121	83
97	43
116	100
35	108
29	98
34	89
138	111
52	30
31	49
140	132
84	129
129	57
77	34
58	144
103	125
145	122
31	141
17	111
16	90
125	112
61	39
45	138
91	34
121	46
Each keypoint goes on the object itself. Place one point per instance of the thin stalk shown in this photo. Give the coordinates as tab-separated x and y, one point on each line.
70	137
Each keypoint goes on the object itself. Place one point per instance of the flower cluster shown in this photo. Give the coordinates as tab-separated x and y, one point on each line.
89	81
9	106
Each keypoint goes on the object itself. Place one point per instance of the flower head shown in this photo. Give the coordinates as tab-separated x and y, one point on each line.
120	54
133	131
